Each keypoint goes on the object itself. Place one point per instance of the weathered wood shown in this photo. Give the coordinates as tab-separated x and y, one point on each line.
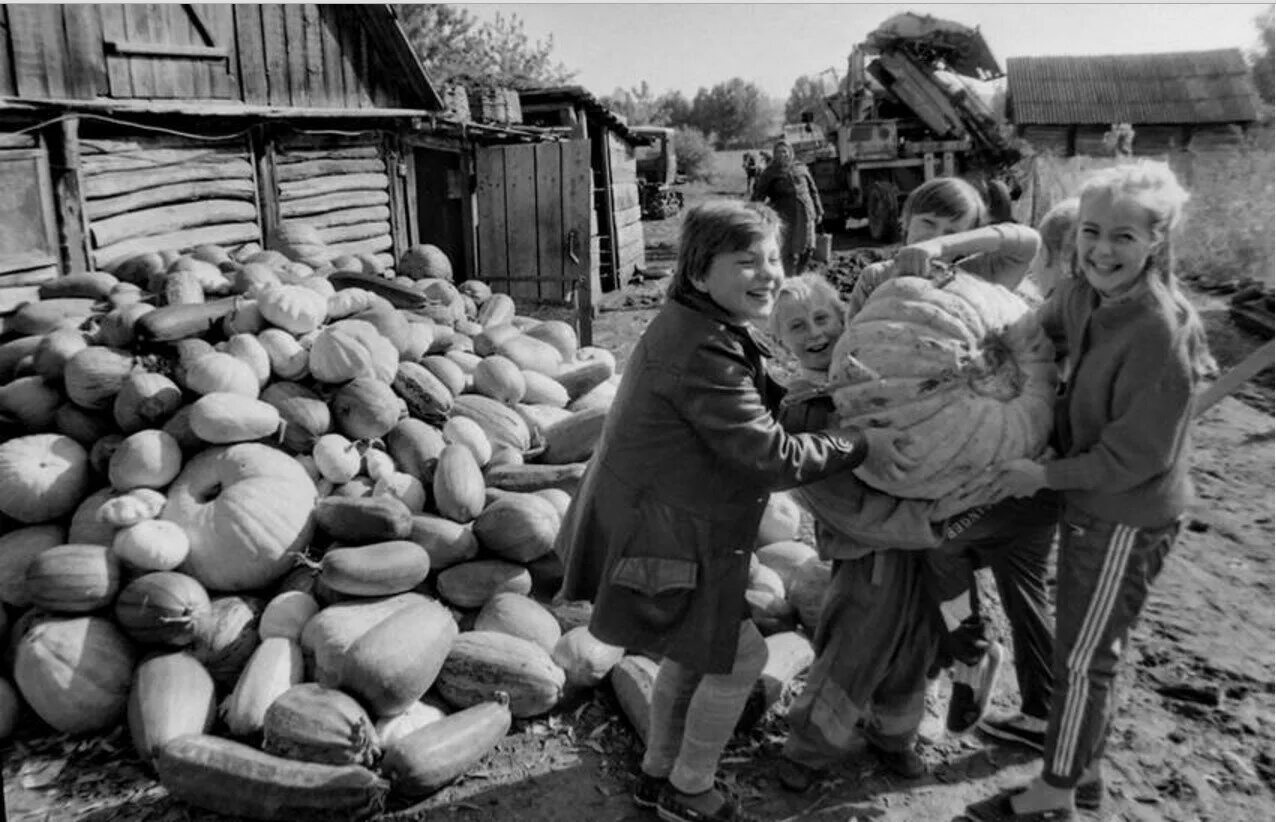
520	207
549	223
288	154
333	79
291	172
17	141
333	235
85	64
490	174
624	196
264	180
40	273
138	25
349	38
238	189
327	185
153	158
294	23
576	211
627	218
8	83
65	162
133	48
125	145
170	219
219	19
306	206
275	40
25	22
250	49
106	258
124	182
346	216
398	183
119	83
372	246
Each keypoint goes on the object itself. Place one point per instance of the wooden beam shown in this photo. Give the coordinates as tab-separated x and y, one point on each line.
398	172
133	48
267	189
1248	368
68	195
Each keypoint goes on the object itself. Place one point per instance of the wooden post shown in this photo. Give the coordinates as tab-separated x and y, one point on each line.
1248	368
263	145
469	210
397	170
72	231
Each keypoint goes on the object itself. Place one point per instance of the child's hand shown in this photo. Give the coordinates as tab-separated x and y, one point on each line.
978	491
885	455
914	260
1020	478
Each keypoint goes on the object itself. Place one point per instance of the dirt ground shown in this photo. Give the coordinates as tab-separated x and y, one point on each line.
1192	737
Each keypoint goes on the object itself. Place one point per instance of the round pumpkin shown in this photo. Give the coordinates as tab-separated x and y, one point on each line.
219	371
352	348
74	672
73	578
366	408
94	375
42	477
163	607
247	508
151	545
295	309
17	549
145	400
55	350
148	459
305	414
425	261
959	365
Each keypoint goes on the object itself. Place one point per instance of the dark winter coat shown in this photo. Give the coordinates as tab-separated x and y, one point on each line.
660	533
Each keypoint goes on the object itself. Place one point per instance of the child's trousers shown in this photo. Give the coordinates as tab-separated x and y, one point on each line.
1104	573
693	715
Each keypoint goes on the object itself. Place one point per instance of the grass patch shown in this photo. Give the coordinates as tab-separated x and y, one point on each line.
1227	233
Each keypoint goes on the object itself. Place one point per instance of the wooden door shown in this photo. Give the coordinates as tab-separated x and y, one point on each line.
533	221
441	198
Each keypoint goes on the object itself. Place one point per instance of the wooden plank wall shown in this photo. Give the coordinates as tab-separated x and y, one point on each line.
166	193
282	54
341	186
630	241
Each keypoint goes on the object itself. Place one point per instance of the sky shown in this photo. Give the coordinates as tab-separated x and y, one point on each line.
687	46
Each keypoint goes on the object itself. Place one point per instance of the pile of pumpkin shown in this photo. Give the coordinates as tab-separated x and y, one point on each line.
291	517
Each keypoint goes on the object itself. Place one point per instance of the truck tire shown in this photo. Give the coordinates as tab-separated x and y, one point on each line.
883	211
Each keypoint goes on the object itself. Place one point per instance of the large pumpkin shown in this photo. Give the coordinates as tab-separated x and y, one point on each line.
247	509
74	672
352	348
960	365
42	477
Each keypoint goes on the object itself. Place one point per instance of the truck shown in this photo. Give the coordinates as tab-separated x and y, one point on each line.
902	116
657	170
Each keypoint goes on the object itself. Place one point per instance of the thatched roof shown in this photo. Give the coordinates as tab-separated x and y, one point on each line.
1177	87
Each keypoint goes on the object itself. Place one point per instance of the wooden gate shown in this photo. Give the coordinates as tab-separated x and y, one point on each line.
533	220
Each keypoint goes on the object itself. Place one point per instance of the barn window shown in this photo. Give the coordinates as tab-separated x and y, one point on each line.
28	228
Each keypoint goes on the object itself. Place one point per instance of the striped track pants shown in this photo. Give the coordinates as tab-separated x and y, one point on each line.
1105	570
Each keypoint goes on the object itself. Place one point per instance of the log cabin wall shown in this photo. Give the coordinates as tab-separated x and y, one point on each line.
153	193
631	251
342	188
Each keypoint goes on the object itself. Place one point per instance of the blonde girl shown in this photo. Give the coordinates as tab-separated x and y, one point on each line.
1137	351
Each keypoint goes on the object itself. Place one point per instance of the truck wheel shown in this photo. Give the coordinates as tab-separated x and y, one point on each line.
883	211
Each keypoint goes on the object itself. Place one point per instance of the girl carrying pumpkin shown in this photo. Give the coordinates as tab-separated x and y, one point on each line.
876	637
1136	350
944	220
660	534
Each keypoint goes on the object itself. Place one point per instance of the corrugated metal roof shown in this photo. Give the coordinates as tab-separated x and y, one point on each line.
592	104
1176	87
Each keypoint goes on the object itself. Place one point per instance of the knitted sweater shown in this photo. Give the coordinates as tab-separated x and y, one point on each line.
1123	415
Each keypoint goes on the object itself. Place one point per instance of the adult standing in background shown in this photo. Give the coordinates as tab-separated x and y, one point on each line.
750	172
786	185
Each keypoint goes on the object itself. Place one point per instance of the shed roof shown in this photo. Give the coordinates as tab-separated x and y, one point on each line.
383	22
1174	87
591	104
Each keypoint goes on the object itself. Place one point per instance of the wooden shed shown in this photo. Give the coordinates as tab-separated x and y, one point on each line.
134	127
616	229
1197	101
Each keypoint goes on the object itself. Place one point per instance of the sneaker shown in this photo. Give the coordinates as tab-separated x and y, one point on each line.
1020	728
647	791
907	763
672	807
1088	796
972	689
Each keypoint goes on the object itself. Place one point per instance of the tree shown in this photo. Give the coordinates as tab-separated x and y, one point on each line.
453	44
1263	58
807	95
738	112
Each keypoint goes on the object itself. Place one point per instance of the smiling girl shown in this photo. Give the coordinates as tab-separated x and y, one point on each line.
1137	350
660	533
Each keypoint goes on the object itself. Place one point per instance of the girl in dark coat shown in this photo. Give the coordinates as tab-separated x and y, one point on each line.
660	533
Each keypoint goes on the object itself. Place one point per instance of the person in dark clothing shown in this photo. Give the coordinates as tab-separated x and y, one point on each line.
787	186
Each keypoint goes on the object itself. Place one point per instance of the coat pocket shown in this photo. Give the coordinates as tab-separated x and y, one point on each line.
657	591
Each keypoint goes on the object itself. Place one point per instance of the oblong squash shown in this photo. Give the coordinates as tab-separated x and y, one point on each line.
363	519
222	417
470	584
521	616
395	663
73	579
311	723
379	569
483	663
162	607
458	484
427	759
446	542
518	527
172	695
275	666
